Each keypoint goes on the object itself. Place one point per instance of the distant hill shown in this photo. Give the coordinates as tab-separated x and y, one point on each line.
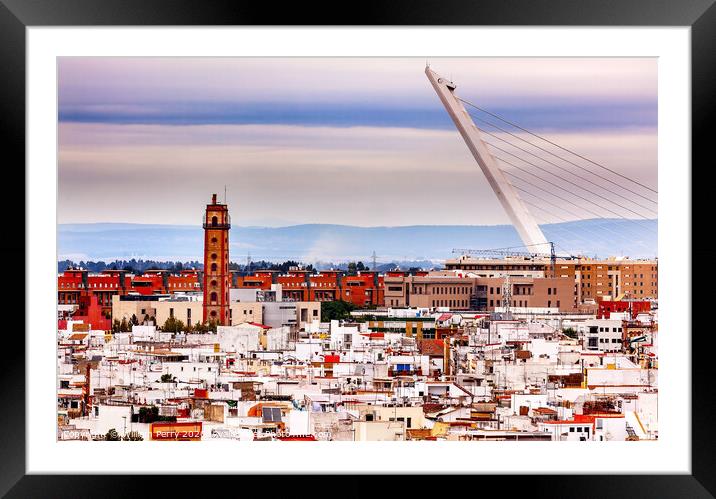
340	243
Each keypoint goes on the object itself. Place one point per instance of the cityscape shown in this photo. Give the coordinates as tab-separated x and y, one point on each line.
531	337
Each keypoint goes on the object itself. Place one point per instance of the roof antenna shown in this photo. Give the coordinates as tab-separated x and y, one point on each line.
224	193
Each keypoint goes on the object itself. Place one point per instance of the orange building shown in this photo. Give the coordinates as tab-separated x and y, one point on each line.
443	289
216	262
185	282
74	285
325	286
593	279
363	289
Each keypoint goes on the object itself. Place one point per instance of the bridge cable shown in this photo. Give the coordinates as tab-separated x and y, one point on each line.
637	222
572	173
571	213
564	180
556	145
487	122
589	229
579	239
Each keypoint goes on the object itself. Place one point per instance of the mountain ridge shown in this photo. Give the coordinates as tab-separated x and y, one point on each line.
337	242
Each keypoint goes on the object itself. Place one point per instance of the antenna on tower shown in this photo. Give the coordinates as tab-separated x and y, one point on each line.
224	193
507	296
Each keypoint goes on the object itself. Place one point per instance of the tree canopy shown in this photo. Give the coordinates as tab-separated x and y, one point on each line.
336	310
173	325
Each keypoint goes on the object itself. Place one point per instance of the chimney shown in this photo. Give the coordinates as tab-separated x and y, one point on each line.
213	199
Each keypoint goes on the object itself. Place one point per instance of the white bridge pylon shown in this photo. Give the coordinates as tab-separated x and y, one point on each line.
521	218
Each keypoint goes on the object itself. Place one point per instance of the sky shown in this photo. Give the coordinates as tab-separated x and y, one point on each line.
355	141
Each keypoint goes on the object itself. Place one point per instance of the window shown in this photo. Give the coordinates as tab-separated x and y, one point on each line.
271	414
213	267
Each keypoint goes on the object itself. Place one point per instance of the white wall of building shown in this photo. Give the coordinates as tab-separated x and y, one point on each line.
239	339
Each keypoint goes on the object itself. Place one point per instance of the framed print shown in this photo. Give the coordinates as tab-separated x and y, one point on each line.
447	239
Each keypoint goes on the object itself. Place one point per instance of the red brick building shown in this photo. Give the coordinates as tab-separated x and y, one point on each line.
217	280
76	286
364	289
634	307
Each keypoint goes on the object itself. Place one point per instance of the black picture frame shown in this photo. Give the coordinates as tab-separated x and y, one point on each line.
17	15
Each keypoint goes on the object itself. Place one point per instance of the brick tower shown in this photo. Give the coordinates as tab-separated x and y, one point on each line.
216	262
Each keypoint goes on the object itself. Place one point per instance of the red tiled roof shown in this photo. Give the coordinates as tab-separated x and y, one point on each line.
432	407
432	348
374	335
259	325
585	419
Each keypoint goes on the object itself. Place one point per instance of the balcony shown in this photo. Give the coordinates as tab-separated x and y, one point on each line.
214	224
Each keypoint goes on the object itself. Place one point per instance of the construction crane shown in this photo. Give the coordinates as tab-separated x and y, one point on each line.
512	251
